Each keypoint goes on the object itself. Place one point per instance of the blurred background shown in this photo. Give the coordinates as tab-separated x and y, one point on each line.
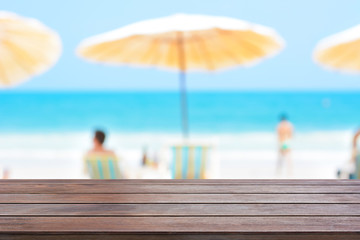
47	123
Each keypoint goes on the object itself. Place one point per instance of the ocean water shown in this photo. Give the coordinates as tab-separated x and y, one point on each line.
209	112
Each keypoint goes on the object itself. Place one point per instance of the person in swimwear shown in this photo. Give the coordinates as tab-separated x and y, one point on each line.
285	132
355	173
350	169
355	146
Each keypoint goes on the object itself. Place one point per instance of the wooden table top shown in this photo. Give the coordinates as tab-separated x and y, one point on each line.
179	209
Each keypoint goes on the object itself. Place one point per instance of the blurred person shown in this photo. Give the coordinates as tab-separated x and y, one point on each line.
355	146
349	169
98	144
4	173
353	168
285	134
101	163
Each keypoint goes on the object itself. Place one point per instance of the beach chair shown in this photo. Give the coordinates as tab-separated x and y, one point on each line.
189	161
102	166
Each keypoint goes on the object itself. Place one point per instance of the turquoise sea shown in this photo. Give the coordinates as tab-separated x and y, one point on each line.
210	112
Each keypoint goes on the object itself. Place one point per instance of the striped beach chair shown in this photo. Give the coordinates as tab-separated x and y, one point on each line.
102	166
189	161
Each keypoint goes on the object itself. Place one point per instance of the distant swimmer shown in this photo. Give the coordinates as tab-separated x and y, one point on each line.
285	132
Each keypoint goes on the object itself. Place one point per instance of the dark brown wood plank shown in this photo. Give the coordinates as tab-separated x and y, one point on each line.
258	210
244	236
179	198
185	210
185	181
178	189
198	225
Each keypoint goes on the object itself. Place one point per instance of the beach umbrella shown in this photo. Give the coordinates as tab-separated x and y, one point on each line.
340	51
184	43
27	48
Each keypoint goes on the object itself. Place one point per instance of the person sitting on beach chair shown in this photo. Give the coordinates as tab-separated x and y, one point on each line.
101	163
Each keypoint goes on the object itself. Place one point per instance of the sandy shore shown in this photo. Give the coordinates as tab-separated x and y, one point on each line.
241	155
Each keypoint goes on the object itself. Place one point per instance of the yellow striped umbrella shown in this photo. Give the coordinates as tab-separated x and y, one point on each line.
184	42
340	51
27	48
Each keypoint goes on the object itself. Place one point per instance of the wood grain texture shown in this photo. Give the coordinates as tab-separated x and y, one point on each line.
177	225
184	181
179	209
180	198
178	189
184	210
244	236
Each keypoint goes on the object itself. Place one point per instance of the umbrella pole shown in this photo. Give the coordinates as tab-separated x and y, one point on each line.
182	82
184	110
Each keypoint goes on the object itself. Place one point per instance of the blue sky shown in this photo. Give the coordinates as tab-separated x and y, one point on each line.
302	23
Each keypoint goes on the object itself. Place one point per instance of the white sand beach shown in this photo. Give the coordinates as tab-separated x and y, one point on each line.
239	155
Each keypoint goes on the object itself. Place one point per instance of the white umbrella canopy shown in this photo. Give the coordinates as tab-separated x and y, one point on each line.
340	51
184	43
27	48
